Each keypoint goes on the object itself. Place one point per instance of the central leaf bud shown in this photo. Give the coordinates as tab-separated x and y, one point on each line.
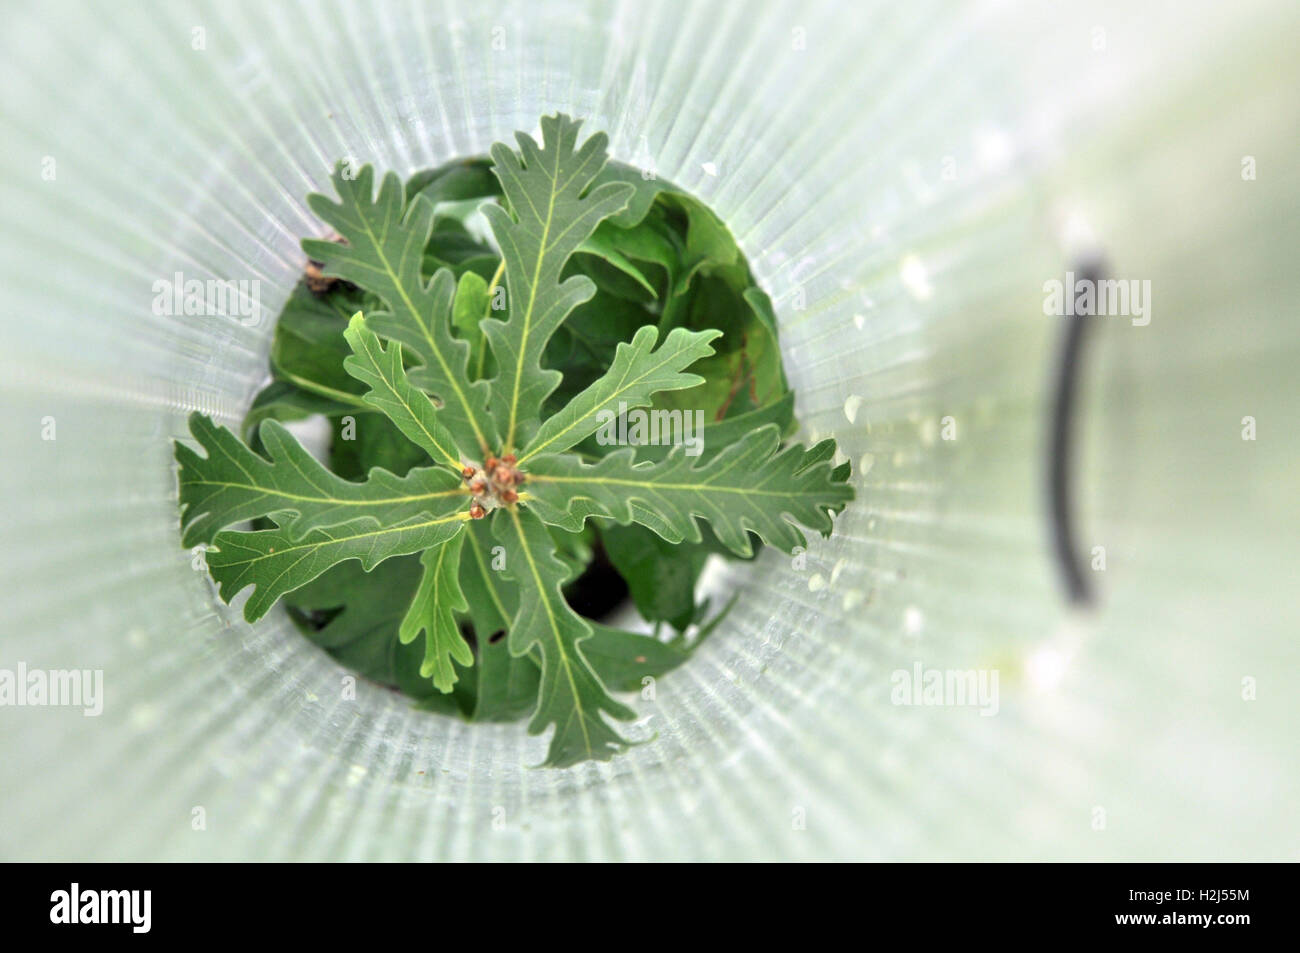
493	484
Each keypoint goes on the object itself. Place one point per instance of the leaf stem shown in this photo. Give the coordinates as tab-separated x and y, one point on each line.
321	390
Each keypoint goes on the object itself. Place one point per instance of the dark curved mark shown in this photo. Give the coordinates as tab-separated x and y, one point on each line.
1060	450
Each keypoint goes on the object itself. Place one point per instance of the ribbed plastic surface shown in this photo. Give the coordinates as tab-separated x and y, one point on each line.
909	289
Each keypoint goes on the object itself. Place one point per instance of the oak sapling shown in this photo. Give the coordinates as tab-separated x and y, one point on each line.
465	369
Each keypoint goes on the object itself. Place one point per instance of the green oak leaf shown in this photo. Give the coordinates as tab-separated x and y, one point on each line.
709	245
571	696
354	616
638	372
473	299
746	372
551	215
661	576
492	598
433	611
645	189
720	434
383	254
456	181
583	348
623	659
275	563
748	487
507	684
603	245
407	662
392	392
308	349
233	484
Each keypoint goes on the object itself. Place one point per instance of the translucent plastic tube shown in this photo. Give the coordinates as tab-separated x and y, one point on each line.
905	178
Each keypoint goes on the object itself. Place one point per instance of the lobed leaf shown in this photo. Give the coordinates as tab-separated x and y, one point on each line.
507	684
624	658
645	189
383	254
233	484
276	563
748	487
392	392
637	374
433	610
717	435
660	575
553	214
571	695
